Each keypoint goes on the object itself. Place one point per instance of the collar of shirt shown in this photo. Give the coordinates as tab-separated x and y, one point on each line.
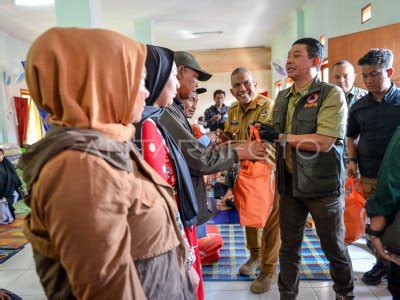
179	103
391	95
352	92
252	105
215	108
303	91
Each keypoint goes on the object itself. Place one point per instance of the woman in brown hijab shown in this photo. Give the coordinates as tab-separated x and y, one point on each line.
96	206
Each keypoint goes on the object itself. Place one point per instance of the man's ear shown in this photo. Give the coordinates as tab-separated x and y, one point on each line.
316	62
180	72
390	72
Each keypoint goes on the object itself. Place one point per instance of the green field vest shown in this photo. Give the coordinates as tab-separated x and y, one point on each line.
315	174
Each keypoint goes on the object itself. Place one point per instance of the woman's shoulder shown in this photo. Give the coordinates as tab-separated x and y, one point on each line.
151	132
77	163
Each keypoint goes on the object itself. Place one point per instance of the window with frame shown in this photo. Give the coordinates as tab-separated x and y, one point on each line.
277	87
35	130
322	39
323	73
366	13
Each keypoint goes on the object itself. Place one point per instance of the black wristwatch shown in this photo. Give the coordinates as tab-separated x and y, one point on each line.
353	159
374	233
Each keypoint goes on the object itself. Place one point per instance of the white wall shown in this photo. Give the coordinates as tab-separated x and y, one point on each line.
12	52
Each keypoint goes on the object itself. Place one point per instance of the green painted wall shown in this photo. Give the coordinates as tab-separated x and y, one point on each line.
73	13
332	18
78	13
142	31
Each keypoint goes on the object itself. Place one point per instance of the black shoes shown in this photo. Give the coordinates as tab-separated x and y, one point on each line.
375	275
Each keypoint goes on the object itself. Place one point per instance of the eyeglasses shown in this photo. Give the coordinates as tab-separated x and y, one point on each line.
246	84
373	75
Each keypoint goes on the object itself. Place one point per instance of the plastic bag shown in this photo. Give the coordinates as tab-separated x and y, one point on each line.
354	213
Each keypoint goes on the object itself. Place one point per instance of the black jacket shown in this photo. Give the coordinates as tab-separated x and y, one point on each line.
374	123
9	180
211	112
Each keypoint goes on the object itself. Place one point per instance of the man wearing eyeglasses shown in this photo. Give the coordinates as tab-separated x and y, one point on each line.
263	244
372	122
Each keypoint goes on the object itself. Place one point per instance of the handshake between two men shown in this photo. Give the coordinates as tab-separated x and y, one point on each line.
252	149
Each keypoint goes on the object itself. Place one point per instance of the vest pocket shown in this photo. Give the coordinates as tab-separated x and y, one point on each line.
317	177
305	121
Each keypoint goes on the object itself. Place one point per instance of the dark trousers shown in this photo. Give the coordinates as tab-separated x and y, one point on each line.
10	201
328	217
393	278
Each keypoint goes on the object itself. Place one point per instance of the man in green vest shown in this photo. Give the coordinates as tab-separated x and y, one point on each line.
308	124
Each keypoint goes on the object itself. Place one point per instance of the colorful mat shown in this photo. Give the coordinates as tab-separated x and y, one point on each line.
5	254
314	265
11	235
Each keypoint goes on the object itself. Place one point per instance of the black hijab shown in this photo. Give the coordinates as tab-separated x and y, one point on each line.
159	64
11	182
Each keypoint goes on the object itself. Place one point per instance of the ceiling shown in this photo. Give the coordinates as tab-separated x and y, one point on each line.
247	23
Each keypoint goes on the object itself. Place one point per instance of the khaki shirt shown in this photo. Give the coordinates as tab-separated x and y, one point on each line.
238	120
331	116
237	123
354	95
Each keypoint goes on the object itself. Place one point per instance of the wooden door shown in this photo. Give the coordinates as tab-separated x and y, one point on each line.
355	45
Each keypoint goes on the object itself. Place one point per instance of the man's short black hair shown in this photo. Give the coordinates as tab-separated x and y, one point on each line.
219	92
377	57
2	151
313	46
240	70
341	62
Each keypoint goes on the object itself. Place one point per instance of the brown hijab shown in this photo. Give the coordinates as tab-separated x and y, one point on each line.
87	78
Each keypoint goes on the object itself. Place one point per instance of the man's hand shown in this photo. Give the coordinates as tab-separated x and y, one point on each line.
216	117
194	278
251	151
382	254
267	132
212	136
351	169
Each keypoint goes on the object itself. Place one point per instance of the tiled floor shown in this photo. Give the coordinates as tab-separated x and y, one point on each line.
18	275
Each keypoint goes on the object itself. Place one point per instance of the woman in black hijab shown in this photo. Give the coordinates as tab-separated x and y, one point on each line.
9	182
161	152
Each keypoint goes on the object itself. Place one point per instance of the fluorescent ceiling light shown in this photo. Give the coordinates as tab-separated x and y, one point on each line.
208	32
33	2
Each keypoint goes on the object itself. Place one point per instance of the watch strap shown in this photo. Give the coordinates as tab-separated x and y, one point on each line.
375	233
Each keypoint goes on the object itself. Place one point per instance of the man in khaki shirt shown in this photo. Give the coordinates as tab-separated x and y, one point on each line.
308	126
263	244
343	76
